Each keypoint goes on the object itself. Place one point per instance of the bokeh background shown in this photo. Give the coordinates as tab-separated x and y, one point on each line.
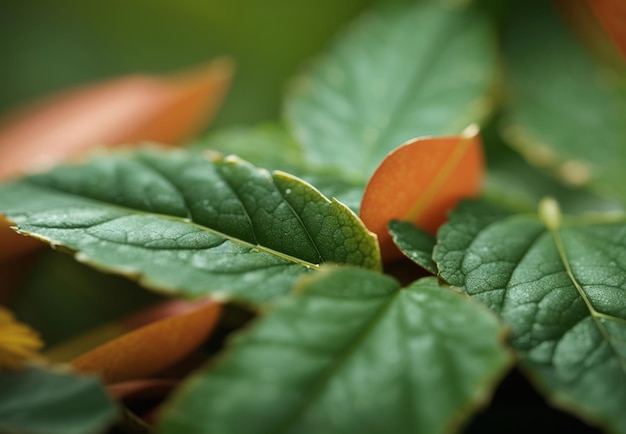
50	45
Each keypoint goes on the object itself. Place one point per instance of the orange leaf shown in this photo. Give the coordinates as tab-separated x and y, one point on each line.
419	182
121	111
588	29
612	16
154	347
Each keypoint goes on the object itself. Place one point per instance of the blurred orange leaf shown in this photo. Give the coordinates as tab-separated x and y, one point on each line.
154	347
419	182
612	16
126	110
591	32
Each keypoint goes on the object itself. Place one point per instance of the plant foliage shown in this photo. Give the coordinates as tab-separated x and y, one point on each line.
347	335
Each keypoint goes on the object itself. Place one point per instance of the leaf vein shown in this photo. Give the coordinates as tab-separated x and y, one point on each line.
596	316
301	222
152	168
340	361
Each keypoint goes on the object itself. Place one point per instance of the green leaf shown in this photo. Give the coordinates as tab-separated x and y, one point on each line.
184	224
566	112
560	287
39	401
401	72
334	185
272	147
415	243
353	352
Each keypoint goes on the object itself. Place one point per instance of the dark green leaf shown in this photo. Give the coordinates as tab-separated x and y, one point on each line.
567	112
415	243
352	353
400	72
39	401
188	225
561	288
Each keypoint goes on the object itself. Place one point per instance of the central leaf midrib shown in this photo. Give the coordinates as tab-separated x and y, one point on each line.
184	220
302	225
329	373
232	188
461	149
152	168
595	315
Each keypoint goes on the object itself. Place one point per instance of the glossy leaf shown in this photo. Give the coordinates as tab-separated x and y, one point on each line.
560	288
184	224
401	72
125	110
566	113
152	348
415	243
39	401
352	353
420	182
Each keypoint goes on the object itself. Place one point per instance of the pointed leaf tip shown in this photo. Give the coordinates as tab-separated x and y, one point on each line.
420	181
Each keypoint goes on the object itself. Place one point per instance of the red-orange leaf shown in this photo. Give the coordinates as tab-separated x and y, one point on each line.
420	181
154	347
122	111
612	16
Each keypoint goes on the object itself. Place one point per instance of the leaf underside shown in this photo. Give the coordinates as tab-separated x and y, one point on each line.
352	352
188	225
562	292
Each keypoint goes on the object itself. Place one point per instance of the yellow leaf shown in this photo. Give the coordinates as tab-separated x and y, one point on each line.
18	342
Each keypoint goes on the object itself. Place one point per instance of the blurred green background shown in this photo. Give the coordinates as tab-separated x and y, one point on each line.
50	45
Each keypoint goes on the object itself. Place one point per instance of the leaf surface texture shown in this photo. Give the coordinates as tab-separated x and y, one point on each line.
560	289
353	353
189	225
